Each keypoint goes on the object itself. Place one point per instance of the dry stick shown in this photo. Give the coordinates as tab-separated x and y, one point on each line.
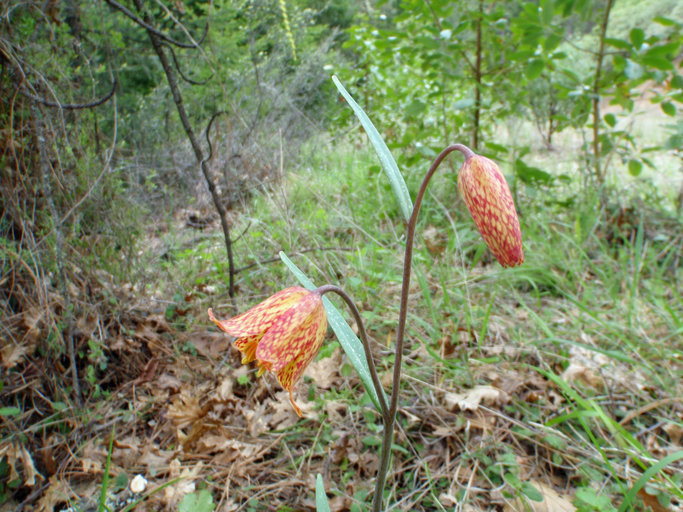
71	106
41	134
387	438
151	30
596	96
178	99
180	70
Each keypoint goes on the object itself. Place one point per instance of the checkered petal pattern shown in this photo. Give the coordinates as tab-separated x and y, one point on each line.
283	334
488	198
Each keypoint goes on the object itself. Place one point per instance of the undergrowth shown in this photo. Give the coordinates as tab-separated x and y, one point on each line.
582	341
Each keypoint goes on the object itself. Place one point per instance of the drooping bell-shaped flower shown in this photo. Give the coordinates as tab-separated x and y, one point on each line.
283	334
488	198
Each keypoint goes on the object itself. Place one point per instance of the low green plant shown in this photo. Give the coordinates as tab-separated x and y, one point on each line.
285	332
570	262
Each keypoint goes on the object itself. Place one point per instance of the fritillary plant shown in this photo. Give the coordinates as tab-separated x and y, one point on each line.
284	333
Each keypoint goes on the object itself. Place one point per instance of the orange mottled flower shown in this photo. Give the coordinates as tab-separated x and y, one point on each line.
487	195
283	334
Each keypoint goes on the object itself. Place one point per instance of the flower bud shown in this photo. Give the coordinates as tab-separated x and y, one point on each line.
488	198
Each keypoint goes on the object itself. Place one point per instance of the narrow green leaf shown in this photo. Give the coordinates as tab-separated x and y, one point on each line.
531	492
658	62
668	22
645	478
398	185
321	504
347	338
105	478
10	411
618	43
548	11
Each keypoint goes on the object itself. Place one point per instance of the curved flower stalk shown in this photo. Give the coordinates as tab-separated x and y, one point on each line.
283	334
488	198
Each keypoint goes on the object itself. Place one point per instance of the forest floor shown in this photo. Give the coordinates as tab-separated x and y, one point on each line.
564	396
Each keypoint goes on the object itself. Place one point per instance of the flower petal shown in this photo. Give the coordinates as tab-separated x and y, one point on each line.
295	335
488	198
290	374
247	345
259	318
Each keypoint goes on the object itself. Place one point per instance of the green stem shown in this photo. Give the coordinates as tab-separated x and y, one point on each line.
366	345
388	435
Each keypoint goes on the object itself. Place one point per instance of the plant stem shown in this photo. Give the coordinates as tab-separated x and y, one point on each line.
67	310
366	345
599	172
387	438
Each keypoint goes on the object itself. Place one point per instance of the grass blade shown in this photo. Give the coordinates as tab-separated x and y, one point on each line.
398	185
347	338
102	505
645	478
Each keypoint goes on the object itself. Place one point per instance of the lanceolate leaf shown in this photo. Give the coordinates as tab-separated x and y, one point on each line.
321	504
349	341
398	185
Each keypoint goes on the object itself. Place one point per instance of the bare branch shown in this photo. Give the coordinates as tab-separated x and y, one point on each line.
156	32
71	106
180	71
206	134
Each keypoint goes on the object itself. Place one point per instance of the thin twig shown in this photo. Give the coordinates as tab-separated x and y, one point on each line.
157	33
41	134
180	71
189	131
71	106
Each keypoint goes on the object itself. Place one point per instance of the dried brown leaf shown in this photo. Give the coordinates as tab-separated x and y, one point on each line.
185	409
174	493
12	354
675	432
20	463
58	491
470	400
325	372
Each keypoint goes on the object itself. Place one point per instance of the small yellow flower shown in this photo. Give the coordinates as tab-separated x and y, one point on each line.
488	198
283	334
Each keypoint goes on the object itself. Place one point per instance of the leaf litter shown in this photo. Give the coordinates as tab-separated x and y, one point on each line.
182	421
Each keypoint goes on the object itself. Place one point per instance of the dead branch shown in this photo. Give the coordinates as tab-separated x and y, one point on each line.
71	106
154	31
180	71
